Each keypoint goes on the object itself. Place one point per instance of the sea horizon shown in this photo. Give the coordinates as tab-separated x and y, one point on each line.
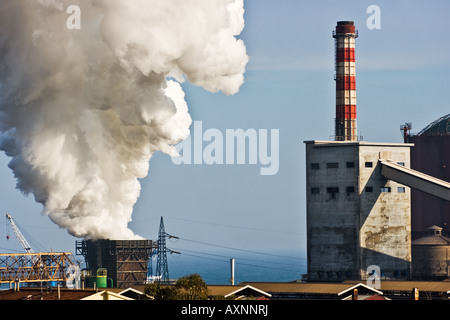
215	268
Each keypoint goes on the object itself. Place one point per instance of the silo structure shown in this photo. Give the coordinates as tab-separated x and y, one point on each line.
430	255
345	122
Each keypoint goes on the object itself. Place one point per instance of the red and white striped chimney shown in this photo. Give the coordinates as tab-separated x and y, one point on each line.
345	127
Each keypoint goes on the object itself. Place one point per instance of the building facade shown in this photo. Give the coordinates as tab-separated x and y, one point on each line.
431	155
356	218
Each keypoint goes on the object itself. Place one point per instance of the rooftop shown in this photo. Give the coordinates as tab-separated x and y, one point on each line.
439	127
434	237
331	143
44	294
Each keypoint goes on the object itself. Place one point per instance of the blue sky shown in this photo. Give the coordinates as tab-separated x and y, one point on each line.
402	76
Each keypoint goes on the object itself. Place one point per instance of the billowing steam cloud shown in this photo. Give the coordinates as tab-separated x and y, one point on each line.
82	111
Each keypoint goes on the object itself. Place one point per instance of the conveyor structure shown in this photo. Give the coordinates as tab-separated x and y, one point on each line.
415	179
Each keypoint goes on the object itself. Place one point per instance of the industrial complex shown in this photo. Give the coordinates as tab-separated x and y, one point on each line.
363	198
373	209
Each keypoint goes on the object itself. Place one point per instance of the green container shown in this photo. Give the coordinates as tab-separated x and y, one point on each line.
101	280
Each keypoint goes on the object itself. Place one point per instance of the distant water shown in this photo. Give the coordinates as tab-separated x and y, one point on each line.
248	268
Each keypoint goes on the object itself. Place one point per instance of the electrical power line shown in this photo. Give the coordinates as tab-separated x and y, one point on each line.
11	250
234	226
240	258
237	249
283	264
23	233
241	263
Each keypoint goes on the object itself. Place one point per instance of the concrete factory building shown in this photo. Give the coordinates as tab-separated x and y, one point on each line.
359	196
356	217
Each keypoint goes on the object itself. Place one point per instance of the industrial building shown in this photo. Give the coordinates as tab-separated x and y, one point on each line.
359	193
356	217
368	204
115	263
431	155
430	214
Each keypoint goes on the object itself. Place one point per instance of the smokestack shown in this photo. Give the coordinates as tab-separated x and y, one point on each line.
345	127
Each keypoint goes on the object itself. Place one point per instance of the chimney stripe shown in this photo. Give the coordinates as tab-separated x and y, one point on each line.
345	122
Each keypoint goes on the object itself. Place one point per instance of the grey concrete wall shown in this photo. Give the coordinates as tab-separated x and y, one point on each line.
351	229
385	217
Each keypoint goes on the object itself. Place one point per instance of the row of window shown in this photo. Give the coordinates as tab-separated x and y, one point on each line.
350	164
351	189
396	274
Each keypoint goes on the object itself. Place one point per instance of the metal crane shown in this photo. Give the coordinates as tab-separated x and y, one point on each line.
19	235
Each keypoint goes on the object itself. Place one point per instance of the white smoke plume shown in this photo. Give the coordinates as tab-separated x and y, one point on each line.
82	111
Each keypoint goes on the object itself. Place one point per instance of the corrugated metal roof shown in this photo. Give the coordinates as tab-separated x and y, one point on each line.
400	285
335	288
292	287
219	290
38	294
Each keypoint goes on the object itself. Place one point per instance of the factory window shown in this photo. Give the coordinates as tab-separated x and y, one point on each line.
315	190
315	166
332	165
385	189
333	191
401	163
369	164
350	164
369	189
401	189
350	190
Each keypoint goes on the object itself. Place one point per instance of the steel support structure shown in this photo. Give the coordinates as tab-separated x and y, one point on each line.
126	261
35	267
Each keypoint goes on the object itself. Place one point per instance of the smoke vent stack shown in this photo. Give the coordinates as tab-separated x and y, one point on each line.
345	126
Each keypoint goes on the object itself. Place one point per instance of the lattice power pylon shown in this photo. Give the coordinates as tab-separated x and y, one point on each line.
162	268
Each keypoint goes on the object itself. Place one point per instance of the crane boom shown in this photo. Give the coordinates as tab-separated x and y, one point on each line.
19	235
